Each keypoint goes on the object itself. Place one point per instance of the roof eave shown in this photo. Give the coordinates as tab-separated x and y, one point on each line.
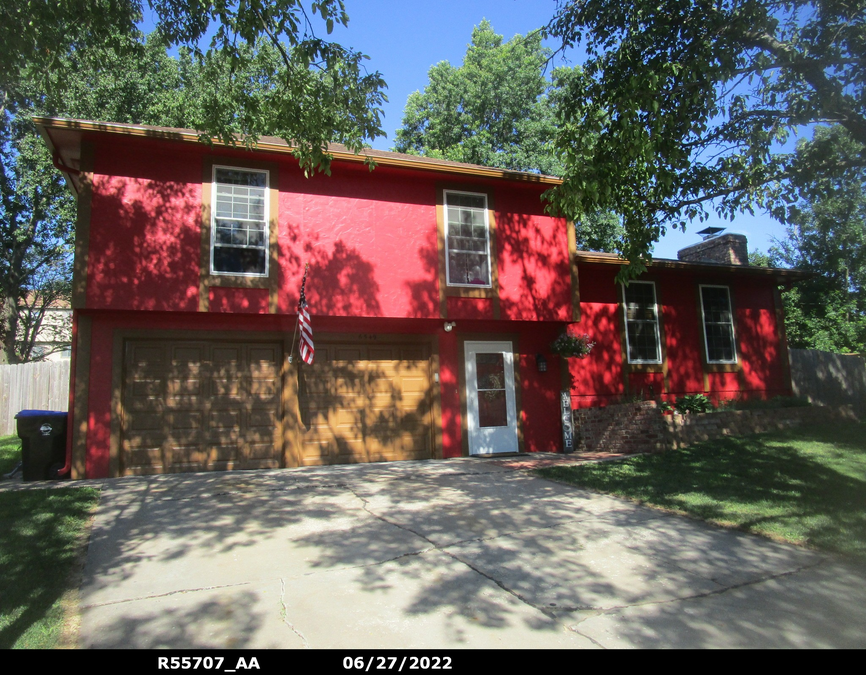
779	274
188	136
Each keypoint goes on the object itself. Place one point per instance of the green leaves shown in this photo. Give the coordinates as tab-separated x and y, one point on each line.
827	236
265	73
679	108
493	110
319	91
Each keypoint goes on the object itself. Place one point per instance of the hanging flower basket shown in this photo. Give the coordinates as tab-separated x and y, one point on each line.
572	346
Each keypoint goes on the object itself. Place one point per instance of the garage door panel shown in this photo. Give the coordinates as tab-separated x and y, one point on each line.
182	384
383	353
147	387
225	385
348	353
222	415
186	419
264	390
414	384
148	355
356	409
196	405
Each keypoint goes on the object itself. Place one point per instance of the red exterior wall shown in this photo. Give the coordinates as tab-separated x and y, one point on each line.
604	376
370	240
145	229
537	391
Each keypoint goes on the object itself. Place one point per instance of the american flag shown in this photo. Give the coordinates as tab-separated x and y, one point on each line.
306	348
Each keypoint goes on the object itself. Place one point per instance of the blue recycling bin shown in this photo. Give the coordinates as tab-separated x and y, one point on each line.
43	443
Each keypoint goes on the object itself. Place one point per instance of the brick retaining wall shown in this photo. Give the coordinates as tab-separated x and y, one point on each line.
640	427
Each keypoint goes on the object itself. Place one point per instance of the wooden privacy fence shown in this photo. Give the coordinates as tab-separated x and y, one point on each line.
829	379
32	386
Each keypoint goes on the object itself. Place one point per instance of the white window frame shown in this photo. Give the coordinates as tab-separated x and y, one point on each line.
266	222
487	240
655	322
701	288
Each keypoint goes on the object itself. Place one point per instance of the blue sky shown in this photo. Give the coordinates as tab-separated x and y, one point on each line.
404	38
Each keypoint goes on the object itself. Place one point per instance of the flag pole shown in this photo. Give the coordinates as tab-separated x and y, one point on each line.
305	349
298	318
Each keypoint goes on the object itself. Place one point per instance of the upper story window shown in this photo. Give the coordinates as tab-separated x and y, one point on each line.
718	324
643	342
467	239
240	230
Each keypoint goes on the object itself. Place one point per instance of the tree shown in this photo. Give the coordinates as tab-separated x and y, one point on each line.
681	104
827	236
265	73
36	216
323	93
497	109
492	110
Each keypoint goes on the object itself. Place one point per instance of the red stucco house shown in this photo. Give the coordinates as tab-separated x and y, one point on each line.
435	290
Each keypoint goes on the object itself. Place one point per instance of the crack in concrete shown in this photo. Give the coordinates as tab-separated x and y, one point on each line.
573	629
318	486
454	557
254	490
543	610
164	595
696	596
284	614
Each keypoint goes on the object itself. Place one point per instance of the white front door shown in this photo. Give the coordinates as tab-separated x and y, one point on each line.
490	404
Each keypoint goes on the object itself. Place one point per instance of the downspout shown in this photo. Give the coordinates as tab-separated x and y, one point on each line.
67	468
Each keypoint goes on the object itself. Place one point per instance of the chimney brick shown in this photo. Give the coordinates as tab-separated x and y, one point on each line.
729	249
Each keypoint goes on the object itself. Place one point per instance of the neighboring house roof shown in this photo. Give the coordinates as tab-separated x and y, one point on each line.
63	137
780	275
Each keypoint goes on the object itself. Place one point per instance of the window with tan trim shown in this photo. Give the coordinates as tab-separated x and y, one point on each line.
642	334
718	320
467	239
239	222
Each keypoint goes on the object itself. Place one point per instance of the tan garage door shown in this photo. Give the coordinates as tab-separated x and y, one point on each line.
200	406
366	403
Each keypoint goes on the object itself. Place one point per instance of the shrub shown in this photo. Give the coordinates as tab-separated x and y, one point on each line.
693	403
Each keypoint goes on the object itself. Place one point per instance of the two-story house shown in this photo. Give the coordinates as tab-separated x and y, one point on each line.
435	290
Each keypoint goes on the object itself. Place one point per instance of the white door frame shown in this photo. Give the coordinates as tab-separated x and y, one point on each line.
490	439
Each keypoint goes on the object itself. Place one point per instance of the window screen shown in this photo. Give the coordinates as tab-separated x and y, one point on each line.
240	224
466	240
641	320
718	324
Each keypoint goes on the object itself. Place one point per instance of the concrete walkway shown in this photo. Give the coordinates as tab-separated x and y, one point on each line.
440	554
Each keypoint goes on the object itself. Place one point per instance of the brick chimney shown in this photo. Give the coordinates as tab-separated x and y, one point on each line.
728	249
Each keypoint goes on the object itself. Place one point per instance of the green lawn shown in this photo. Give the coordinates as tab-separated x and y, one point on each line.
10	453
42	540
805	486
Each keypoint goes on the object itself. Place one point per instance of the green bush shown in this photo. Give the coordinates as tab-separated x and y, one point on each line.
693	403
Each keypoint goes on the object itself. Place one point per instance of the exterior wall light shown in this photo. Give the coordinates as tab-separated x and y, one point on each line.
449	326
541	362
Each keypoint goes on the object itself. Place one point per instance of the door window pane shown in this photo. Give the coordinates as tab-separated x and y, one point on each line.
492	405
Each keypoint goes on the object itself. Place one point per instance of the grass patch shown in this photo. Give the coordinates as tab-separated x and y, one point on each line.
42	540
804	486
10	453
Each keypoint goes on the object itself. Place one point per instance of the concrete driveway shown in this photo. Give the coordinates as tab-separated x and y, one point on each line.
441	554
